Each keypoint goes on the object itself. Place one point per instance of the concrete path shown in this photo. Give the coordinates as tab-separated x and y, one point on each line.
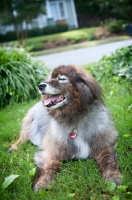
82	56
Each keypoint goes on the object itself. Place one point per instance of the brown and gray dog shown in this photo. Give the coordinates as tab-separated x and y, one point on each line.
70	122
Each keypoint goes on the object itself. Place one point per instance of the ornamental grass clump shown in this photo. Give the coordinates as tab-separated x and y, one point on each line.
19	76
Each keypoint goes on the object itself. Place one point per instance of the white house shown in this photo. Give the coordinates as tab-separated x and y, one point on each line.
57	12
61	11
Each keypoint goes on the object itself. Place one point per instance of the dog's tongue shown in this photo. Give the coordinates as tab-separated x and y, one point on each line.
53	100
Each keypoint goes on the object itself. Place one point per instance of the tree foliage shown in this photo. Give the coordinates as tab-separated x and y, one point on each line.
123	9
94	8
105	9
18	11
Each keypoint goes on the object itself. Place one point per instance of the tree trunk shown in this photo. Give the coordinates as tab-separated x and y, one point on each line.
17	32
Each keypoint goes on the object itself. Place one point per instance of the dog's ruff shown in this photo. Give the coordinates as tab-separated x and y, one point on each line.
71	121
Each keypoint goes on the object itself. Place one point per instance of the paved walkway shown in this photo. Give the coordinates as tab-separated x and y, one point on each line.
82	56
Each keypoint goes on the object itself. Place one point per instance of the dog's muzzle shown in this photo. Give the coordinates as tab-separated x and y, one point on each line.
52	96
42	86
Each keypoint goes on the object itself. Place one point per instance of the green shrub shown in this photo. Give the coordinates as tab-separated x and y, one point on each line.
50	30
35	32
62	28
76	38
116	26
19	76
55	29
2	37
116	67
91	36
11	35
38	46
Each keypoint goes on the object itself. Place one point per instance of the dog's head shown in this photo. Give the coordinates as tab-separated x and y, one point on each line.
69	88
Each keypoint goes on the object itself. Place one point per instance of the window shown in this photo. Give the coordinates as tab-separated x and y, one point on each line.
62	11
54	11
58	10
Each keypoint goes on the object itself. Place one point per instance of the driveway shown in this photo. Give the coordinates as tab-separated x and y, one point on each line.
82	56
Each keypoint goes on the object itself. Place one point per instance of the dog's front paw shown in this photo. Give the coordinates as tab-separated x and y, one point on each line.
43	182
39	185
12	149
115	177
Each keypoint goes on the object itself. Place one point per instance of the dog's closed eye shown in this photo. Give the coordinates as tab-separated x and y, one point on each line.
62	78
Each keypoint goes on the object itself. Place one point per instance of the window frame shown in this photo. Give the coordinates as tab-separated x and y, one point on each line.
57	3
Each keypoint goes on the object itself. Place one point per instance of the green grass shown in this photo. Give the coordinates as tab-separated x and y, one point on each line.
17	68
81	45
78	180
68	34
73	36
37	44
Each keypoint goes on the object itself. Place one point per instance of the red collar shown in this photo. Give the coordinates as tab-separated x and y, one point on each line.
72	135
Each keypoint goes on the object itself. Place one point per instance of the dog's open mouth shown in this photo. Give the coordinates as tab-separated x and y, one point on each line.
51	100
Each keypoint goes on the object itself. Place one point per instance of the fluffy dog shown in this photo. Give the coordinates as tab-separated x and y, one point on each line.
71	121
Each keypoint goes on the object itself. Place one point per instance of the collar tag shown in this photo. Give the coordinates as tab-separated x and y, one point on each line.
72	135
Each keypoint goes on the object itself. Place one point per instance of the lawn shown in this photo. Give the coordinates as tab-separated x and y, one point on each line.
78	45
61	39
77	179
66	40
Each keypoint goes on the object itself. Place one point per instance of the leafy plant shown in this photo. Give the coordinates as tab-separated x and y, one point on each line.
37	47
91	36
9	180
116	26
62	27
116	67
19	75
9	36
74	40
58	28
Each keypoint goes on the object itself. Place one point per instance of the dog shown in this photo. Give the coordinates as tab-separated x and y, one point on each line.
71	121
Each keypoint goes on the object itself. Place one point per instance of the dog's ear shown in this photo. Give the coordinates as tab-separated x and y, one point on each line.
88	86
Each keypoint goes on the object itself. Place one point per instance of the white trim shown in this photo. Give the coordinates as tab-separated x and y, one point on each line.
58	9
49	14
74	13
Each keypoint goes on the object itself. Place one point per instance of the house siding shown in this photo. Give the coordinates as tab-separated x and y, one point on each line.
44	20
70	15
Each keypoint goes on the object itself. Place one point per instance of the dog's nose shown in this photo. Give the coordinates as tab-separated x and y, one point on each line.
42	85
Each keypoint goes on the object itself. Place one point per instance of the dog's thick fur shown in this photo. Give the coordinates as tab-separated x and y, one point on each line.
70	122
